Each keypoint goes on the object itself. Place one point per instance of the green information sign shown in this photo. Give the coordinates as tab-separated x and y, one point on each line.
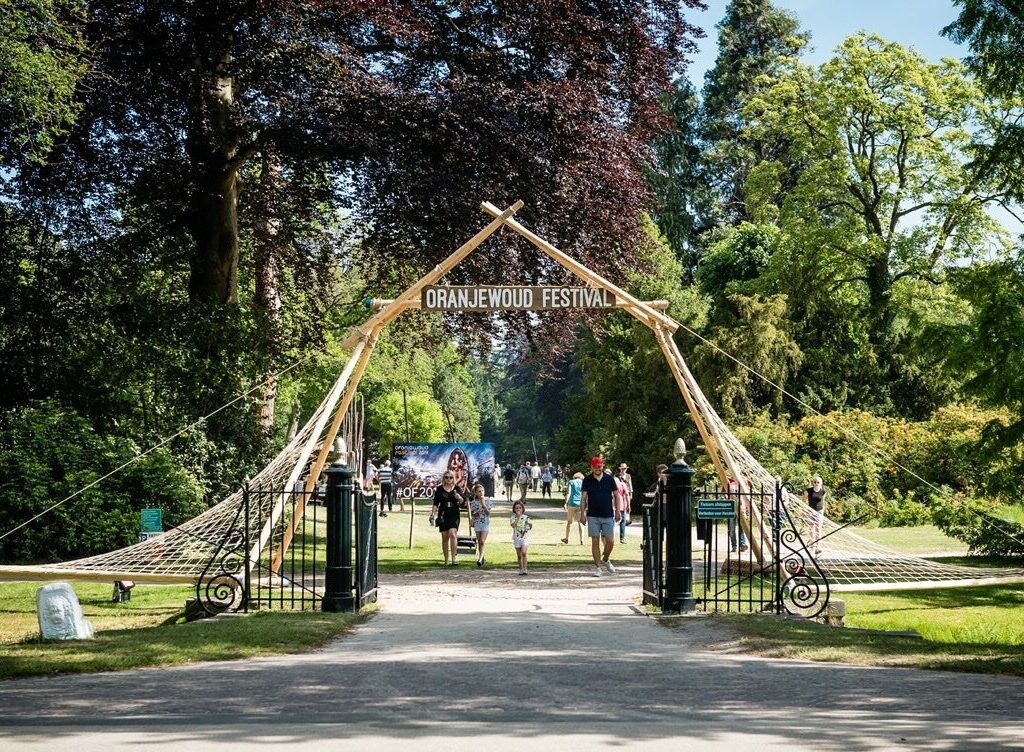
715	509
152	520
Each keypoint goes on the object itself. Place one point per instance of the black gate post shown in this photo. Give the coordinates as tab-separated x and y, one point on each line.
338	577
678	535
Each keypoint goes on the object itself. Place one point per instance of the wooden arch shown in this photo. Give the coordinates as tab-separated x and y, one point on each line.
361	344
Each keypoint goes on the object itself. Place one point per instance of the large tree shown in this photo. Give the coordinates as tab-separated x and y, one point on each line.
418	110
684	200
884	201
755	39
994	30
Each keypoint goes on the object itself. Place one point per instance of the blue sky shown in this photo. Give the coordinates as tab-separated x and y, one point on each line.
915	23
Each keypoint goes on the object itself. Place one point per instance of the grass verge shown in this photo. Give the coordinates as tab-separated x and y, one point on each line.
146	632
976	629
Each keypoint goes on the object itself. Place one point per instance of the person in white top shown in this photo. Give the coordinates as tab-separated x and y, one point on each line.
370	476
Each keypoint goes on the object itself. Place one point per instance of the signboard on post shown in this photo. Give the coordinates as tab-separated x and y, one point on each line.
151	520
418	467
715	509
513	298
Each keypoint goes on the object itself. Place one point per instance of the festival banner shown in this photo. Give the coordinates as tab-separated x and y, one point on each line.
513	298
418	467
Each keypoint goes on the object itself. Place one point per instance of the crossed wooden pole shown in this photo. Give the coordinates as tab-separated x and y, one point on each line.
362	341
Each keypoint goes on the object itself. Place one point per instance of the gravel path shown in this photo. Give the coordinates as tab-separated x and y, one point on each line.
464	659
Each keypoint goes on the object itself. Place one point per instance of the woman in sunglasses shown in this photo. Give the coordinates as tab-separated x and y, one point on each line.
447	500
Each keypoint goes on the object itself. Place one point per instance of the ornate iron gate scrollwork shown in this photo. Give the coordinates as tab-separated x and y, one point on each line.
799	592
223	584
774	570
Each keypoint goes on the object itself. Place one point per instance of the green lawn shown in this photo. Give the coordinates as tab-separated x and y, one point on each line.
922	539
145	632
978	629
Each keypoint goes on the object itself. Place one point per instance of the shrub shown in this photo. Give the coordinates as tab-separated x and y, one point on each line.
972	521
49	451
943	451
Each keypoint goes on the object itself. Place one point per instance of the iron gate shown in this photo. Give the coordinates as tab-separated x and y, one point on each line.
288	572
754	556
366	549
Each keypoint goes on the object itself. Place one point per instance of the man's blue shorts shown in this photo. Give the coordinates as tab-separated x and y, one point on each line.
600	526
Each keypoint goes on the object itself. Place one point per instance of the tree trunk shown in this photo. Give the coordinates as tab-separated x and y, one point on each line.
293	426
214	226
212	146
268	293
879	282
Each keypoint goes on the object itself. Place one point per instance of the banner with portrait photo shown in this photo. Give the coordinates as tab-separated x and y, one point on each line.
419	467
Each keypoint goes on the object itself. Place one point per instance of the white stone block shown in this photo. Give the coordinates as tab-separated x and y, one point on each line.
60	613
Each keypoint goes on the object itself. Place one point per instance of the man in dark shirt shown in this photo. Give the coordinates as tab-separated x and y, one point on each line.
509	478
597	511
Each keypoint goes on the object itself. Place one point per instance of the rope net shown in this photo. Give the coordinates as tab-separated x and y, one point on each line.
847	560
183	552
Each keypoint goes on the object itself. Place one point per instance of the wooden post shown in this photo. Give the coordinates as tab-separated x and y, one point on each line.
388	313
325	447
307	449
664	340
716	446
644	313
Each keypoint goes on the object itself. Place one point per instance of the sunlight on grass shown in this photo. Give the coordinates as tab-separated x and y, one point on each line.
145	632
921	539
975	629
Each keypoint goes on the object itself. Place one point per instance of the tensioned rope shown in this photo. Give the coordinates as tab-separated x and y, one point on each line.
313	353
843	429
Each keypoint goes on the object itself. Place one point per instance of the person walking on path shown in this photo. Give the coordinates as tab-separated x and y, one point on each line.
546	477
384	477
523	481
621	505
535	476
521	527
597	510
447	500
627	478
480	511
573	497
816	501
508	477
370	477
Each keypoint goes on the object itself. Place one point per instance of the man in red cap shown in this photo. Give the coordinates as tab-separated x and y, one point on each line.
598	512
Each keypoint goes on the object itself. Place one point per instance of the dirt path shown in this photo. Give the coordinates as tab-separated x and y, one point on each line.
492	661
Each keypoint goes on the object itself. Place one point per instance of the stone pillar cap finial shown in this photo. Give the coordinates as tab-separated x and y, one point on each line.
679	452
341	449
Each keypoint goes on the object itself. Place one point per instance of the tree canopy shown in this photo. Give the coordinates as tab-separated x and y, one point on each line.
196	198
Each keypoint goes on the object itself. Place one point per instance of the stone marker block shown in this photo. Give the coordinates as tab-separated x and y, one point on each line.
835	613
60	613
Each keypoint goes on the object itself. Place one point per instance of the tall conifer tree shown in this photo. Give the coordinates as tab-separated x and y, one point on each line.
753	37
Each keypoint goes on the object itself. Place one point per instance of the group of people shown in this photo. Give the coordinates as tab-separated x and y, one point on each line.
529	476
446	513
601	501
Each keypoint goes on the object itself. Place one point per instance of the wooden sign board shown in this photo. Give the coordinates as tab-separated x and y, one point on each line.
513	298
